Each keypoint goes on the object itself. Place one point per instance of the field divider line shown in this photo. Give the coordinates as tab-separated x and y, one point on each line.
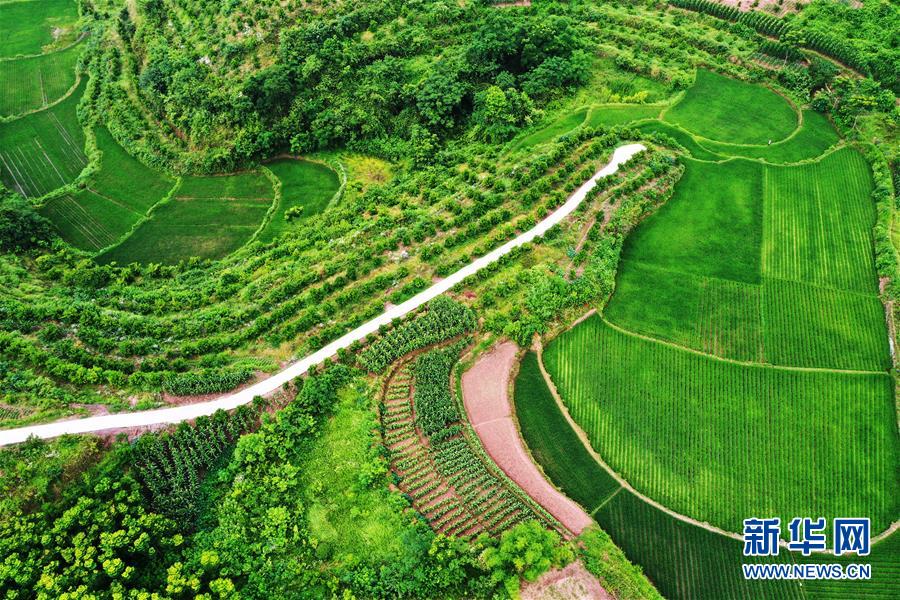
582	435
41	54
177	414
605	501
733	361
141	220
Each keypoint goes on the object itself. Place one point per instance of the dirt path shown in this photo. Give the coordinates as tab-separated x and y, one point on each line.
622	482
485	388
573	582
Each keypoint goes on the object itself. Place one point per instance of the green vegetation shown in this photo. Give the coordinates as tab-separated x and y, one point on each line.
526	551
619	114
611	567
769	264
306	187
815	136
648	410
44	150
682	560
442	320
724	109
99	215
421	106
33	83
209	217
563	124
29	25
564	461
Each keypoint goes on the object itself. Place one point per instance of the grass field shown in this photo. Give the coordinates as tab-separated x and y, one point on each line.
760	263
208	218
815	136
101	214
682	560
30	83
44	150
303	183
719	441
682	137
561	125
728	110
610	115
34	22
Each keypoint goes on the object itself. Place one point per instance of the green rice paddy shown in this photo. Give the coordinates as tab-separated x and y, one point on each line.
35	22
34	82
44	150
727	110
682	560
304	183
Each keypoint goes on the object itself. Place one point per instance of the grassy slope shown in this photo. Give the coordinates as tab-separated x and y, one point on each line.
720	441
682	560
45	150
34	22
728	110
100	215
303	183
30	83
561	125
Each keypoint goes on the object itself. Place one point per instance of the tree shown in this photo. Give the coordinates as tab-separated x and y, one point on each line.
499	114
526	551
21	227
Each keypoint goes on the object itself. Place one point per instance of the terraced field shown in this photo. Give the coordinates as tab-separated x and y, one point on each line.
719	441
681	559
449	484
99	215
208	217
44	150
741	365
764	263
36	81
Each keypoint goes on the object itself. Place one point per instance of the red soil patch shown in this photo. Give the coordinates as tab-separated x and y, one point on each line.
485	389
573	582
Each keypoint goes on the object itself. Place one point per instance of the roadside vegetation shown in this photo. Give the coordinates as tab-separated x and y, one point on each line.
193	195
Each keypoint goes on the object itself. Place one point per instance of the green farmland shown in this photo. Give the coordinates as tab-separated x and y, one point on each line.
208	217
44	150
718	440
304	184
37	24
34	82
97	216
727	110
681	559
763	263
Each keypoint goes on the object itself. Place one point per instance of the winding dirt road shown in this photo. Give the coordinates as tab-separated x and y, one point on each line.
485	388
229	401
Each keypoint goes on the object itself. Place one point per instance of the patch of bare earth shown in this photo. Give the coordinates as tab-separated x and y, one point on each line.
573	582
485	388
773	7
